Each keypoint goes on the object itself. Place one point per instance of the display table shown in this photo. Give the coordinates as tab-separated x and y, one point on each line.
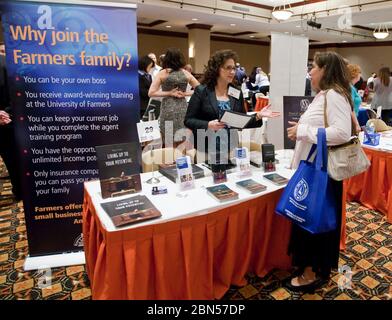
196	250
373	188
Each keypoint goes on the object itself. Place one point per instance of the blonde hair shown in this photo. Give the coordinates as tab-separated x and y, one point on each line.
354	70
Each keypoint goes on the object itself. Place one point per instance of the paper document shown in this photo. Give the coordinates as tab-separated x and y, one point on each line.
235	119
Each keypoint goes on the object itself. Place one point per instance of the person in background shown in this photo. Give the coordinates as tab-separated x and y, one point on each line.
240	74
250	83
308	82
8	150
189	68
145	80
355	74
360	84
171	84
383	94
316	255
154	71
262	81
370	80
212	99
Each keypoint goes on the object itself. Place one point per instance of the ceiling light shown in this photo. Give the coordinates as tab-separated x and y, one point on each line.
195	19
344	41
232	24
168	27
381	32
282	12
251	36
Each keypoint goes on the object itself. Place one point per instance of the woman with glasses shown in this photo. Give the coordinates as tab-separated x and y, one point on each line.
216	95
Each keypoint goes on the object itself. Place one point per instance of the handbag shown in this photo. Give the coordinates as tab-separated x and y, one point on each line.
348	159
308	199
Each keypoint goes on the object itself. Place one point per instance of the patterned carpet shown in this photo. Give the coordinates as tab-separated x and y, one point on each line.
368	255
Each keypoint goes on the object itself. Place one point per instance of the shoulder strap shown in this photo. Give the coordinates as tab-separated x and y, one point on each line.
353	133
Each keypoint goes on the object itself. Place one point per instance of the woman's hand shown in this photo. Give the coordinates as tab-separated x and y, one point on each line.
267	113
176	93
216	125
292	131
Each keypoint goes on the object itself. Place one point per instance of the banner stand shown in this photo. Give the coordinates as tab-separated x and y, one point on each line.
73	83
54	261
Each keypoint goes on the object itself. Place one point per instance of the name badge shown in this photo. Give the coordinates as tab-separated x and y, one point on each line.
235	93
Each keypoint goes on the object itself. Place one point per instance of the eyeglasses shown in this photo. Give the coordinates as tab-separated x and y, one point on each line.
229	68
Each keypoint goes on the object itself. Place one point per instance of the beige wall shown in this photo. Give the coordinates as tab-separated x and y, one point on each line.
158	44
370	59
250	55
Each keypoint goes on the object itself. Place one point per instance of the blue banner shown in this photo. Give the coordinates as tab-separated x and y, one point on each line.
72	72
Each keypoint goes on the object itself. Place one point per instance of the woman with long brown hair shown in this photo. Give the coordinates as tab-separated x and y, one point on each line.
213	97
383	94
171	84
316	255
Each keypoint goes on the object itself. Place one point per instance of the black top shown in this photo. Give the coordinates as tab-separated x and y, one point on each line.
144	85
203	108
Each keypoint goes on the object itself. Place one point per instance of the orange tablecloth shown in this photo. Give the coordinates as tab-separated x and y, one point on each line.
191	258
373	188
261	103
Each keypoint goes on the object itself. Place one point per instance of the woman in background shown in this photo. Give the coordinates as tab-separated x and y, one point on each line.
171	84
262	81
355	74
145	80
316	255
383	94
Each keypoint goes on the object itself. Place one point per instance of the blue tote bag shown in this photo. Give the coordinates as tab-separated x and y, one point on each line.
308	199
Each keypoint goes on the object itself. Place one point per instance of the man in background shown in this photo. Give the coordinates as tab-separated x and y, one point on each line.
240	74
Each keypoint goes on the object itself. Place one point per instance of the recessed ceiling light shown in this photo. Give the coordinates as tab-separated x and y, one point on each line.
195	19
344	41
251	36
232	24
168	27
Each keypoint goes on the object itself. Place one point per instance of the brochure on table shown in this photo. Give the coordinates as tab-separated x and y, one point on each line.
193	202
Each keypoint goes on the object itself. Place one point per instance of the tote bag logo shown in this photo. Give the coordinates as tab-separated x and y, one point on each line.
301	190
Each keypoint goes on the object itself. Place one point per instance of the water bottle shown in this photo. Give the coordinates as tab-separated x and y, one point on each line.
371	128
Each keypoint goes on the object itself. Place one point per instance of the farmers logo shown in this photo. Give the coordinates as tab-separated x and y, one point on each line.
301	190
304	104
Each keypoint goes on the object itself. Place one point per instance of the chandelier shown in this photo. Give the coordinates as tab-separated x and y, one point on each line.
381	32
282	12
